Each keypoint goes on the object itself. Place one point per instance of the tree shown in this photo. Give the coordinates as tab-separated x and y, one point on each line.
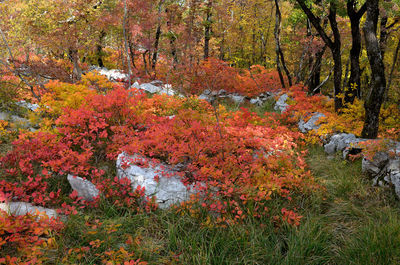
334	45
376	95
354	82
280	59
207	28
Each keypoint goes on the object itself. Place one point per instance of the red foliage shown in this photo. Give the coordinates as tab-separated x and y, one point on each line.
213	74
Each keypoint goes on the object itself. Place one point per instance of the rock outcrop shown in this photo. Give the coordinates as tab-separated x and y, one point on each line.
311	124
161	181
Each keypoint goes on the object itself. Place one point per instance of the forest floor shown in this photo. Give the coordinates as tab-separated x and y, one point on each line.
353	223
348	222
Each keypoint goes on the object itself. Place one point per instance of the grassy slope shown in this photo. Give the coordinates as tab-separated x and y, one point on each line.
350	222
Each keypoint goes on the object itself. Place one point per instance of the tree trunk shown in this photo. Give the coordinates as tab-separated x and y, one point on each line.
145	62
207	30
337	57
126	42
334	46
277	32
99	49
157	38
132	53
74	57
155	53
378	83
222	47
396	53
354	83
315	78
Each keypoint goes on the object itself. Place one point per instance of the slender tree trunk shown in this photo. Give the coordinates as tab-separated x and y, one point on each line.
132	53
222	47
384	34
74	57
300	71
126	42
354	83
337	58
378	83
99	49
277	42
315	78
172	38
207	30
334	45
157	38
145	62
155	53
396	54
346	75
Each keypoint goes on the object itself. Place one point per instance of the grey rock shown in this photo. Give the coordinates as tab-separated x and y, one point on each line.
369	167
27	105
256	101
236	98
330	148
86	189
281	104
157	82
395	180
136	85
340	142
22	208
207	96
394	165
206	92
113	74
377	165
169	188
222	92
166	89
311	124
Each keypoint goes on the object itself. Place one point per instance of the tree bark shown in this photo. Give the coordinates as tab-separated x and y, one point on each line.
126	42
396	53
207	30
353	86
157	38
378	83
334	45
132	53
315	77
99	49
280	59
74	57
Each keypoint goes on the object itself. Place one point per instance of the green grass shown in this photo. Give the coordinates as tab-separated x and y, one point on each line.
346	222
350	222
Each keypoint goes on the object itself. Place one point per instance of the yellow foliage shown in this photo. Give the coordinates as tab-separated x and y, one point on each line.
96	81
352	121
61	95
3	129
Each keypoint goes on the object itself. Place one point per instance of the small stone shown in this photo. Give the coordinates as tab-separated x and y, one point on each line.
86	189
281	104
22	208
311	124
